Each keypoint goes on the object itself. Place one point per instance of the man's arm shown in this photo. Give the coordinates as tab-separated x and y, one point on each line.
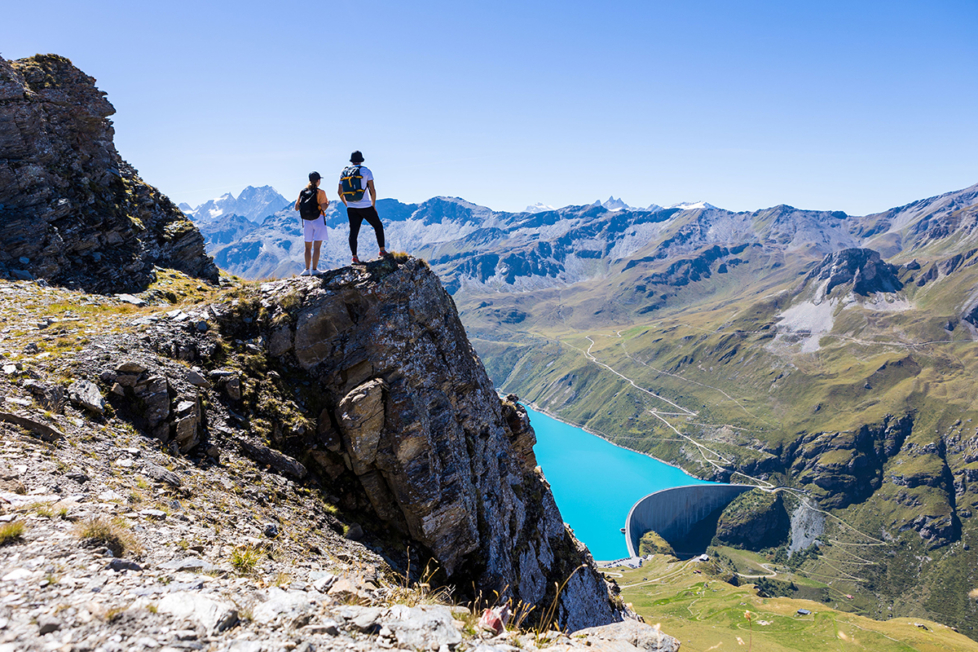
339	191
373	193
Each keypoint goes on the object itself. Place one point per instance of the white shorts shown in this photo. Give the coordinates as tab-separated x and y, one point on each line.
315	230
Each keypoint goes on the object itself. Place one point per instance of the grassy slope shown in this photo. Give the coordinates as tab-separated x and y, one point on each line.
705	613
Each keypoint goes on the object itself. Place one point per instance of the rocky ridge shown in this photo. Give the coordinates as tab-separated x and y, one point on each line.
243	515
73	212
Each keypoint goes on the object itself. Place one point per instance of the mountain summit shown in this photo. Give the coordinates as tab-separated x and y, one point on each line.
72	211
253	204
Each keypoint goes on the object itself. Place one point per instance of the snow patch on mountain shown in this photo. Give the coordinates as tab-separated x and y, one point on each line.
253	204
692	206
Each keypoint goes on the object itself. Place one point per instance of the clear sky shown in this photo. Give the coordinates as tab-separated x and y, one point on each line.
844	105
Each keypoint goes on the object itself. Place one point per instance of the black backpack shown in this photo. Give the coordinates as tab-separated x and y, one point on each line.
309	204
352	183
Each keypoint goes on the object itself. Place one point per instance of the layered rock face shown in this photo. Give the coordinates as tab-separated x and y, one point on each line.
412	413
71	210
864	268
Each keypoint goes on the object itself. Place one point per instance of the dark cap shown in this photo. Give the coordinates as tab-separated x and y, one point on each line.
314	176
356	157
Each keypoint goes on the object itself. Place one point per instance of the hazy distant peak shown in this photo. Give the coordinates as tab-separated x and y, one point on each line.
253	204
539	207
692	206
615	204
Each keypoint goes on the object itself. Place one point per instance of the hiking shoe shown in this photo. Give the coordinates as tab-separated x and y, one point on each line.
384	253
305	272
356	261
317	272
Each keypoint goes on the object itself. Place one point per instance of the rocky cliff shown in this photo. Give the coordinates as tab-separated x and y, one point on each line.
863	268
71	210
360	384
315	464
409	411
312	413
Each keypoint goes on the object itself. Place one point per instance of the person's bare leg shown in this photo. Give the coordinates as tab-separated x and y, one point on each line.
315	255
308	253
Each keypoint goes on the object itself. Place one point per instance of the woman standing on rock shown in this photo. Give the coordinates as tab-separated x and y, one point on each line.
312	204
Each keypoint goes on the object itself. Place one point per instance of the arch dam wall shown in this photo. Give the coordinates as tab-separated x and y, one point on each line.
673	512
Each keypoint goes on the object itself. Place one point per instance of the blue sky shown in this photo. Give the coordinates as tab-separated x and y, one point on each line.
854	106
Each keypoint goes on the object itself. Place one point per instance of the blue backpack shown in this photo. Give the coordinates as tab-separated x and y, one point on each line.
352	182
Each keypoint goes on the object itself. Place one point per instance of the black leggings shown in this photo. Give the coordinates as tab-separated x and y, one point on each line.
356	217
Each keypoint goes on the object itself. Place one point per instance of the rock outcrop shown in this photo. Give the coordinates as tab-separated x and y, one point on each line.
863	268
842	468
71	210
755	520
412	414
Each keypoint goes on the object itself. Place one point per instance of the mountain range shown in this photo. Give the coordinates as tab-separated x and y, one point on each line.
830	356
252	204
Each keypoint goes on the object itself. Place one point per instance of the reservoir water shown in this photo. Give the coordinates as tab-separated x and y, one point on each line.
595	483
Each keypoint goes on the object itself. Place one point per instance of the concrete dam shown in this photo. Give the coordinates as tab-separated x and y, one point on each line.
673	512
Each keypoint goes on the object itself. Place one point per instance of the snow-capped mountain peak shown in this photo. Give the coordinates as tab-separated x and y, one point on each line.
692	206
253	204
615	204
539	207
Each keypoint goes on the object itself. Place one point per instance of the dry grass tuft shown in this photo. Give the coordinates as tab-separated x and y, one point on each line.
114	535
11	532
244	559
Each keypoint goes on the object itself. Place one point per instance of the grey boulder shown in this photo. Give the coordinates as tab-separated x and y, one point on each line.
85	394
212	614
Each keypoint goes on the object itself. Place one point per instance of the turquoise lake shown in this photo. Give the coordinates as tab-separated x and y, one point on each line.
596	483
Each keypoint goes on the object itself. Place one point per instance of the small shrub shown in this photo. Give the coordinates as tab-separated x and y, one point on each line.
11	532
111	534
245	559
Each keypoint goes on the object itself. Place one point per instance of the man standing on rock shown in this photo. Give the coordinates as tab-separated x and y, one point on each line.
312	204
355	181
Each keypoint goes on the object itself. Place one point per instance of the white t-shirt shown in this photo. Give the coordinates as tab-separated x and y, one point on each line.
365	201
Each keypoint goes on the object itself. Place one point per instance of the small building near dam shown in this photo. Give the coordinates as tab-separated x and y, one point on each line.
673	512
